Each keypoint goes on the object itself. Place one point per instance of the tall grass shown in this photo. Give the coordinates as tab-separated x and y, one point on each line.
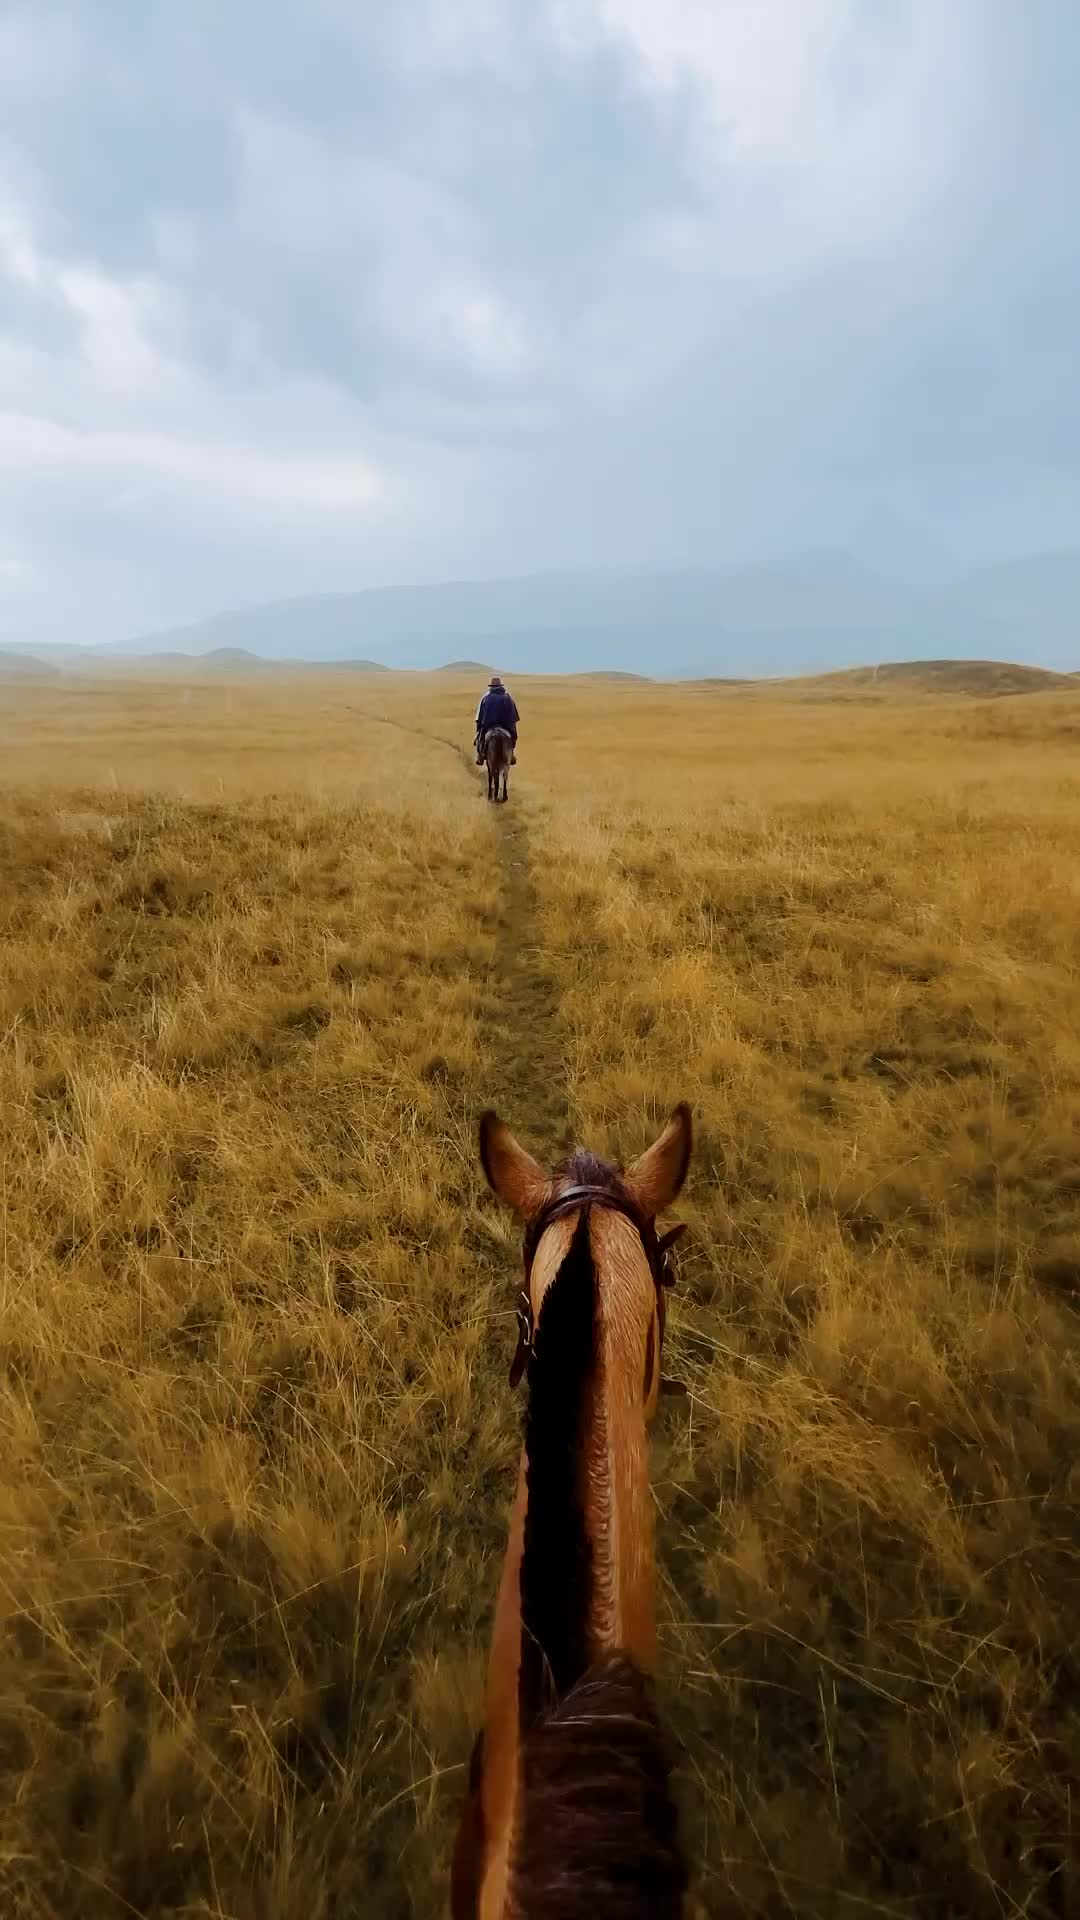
265	954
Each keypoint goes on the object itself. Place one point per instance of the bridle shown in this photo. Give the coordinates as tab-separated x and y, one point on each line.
657	1249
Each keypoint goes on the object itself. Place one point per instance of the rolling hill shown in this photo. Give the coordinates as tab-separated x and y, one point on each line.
26	666
231	660
982	679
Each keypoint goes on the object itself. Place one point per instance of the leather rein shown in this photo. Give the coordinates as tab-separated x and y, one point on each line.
657	1249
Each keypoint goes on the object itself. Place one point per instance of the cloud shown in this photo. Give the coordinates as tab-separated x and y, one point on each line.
114	319
240	476
175	242
760	70
115	322
39	51
298	296
485	328
118	369
811	125
403	255
766	73
455	39
19	257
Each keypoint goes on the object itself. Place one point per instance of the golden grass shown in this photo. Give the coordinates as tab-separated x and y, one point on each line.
265	957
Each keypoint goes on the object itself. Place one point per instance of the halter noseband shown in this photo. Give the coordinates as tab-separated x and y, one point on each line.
656	1248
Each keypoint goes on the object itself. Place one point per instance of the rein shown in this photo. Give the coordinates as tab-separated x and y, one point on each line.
656	1247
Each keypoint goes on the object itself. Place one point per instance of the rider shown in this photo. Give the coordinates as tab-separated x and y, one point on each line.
496	709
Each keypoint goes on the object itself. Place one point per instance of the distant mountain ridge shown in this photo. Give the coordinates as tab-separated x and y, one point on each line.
801	618
818	614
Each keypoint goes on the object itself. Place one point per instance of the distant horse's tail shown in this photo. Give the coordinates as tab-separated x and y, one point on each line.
598	1828
498	749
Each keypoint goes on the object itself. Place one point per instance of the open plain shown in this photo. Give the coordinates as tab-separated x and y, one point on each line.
266	954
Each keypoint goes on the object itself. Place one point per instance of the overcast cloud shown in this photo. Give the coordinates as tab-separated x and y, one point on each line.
311	294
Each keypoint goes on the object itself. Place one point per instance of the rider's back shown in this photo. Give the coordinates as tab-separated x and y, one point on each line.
498	710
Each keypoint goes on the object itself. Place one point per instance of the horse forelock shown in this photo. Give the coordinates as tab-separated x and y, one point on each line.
583	1169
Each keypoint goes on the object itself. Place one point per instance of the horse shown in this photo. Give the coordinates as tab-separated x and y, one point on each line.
498	747
568	1810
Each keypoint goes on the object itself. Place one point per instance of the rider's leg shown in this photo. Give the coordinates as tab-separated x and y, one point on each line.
513	746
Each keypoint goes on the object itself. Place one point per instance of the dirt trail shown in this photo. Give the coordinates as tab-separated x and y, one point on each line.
525	1037
527	1050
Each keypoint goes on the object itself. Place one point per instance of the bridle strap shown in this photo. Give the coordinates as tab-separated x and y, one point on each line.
572	1200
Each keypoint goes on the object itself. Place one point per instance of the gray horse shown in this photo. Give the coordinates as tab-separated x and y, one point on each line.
497	750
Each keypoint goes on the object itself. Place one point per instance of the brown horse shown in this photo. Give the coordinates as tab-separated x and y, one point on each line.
568	1811
498	747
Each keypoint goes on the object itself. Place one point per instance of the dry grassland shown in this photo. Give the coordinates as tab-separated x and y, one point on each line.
264	954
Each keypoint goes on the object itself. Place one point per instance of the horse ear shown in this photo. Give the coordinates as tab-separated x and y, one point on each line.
656	1178
511	1172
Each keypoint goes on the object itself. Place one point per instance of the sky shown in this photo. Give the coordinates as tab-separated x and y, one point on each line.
310	295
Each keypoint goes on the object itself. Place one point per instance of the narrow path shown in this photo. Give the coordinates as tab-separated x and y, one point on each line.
528	1040
525	1033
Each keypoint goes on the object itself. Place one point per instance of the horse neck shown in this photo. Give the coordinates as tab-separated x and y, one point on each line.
591	1792
587	1563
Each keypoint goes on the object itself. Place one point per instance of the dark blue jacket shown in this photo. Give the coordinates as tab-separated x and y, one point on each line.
496	710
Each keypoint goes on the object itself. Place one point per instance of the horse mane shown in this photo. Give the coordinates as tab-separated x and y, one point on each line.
557	1560
598	1832
598	1829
